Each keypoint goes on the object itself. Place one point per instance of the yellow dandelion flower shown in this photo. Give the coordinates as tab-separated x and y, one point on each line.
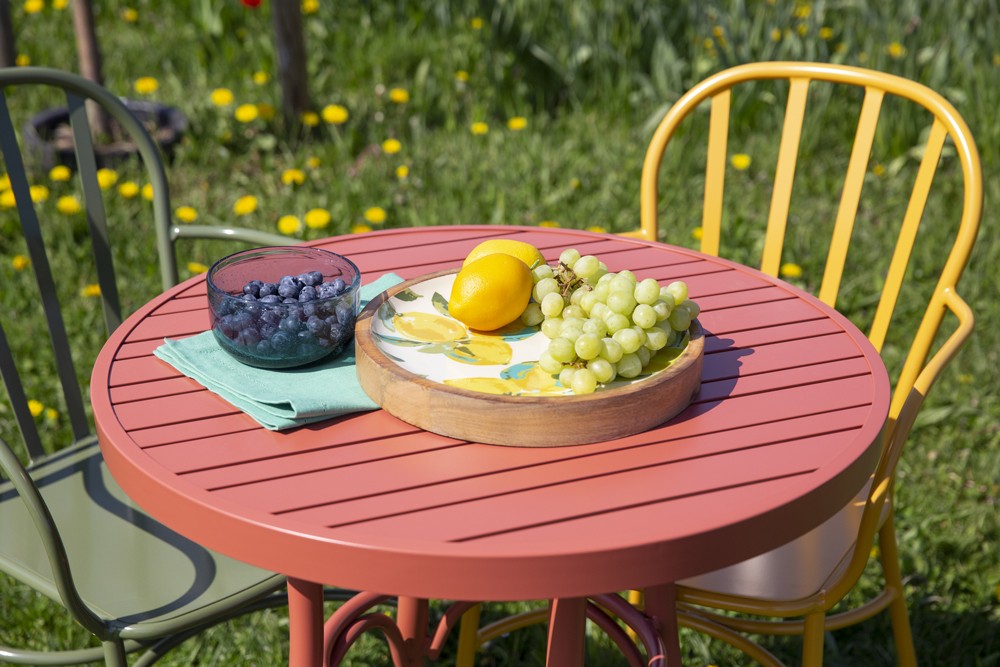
826	33
265	111
517	123
597	228
246	113
874	551
790	270
841	47
128	189
4	182
293	177
147	192
310	6
39	193
718	31
775	34
186	214
391	146
91	291
20	262
549	223
317	218
862	57
802	28
60	4
476	23
461	75
479	128
399	95
7	199
146	85
260	77
878	169
896	50
33	7
68	205
129	15
803	11
697	233
996	59
310	118
313	162
22	60
221	97
335	114
196	268
289	225
51	414
402	172
35	407
60	173
708	43
574	183
106	178
965	378
360	229
740	161
245	205
375	215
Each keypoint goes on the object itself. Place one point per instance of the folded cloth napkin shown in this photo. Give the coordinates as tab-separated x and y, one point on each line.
277	398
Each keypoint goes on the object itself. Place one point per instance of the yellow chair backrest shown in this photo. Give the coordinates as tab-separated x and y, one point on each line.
917	372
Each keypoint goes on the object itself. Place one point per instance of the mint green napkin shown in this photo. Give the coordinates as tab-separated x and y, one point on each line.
277	398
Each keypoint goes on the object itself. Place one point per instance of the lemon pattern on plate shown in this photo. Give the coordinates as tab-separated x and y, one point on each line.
524	379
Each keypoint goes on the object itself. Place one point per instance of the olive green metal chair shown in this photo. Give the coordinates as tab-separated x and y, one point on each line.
66	529
796	589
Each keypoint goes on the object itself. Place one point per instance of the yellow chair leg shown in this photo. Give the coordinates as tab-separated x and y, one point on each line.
812	640
906	654
468	640
634	599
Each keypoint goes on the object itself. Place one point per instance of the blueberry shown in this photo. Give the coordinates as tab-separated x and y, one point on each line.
339	286
311	279
282	341
266	329
248	297
271	316
242	320
248	337
289	290
326	291
290	325
264	348
345	313
307	294
253	288
268	289
317	327
270	298
225	326
289	300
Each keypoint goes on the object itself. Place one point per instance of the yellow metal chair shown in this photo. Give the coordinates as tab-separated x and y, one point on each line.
798	584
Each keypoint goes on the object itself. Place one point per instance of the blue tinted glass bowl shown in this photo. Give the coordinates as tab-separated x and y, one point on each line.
283	307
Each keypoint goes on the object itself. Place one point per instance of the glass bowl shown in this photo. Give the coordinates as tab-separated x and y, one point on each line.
281	307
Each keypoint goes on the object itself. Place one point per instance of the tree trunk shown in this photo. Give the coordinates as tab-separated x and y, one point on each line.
89	54
8	54
290	47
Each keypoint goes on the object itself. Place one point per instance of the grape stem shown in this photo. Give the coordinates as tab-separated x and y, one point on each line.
568	281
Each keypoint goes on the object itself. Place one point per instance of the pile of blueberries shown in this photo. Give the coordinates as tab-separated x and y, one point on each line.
292	322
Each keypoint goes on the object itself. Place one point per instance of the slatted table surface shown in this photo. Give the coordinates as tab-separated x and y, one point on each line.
783	432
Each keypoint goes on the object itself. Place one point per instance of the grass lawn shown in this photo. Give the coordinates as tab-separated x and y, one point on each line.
538	112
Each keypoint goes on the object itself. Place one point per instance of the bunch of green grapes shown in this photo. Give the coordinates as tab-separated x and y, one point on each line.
603	325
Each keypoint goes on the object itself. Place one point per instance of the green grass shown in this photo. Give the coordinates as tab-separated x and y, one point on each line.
591	78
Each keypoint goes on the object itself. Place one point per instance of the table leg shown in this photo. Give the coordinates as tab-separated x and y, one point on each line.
412	617
661	605
305	623
567	636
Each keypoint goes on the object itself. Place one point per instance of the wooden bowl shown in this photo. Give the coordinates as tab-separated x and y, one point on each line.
520	420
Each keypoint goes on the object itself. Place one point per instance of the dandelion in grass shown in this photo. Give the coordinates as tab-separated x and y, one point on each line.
697	233
91	291
129	15
128	189
965	378
391	146
335	114
265	111
7	199
360	229
147	192
517	123
313	162
775	34
68	205
803	10
221	97
549	223
878	169
260	77
20	262
60	173
246	113
399	96
22	60
479	128
60	4
574	183
375	215
35	407
33	7
740	161
317	218
895	50
186	214
146	85
874	551
196	268
597	228
4	182
51	414
462	75
293	177
39	193
402	172
245	205
790	270
802	29
106	178
826	33
309	118
310	6
708	43
476	23
289	225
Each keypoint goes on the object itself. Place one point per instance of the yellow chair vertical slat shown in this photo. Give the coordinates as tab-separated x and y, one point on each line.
907	235
851	195
784	175
715	173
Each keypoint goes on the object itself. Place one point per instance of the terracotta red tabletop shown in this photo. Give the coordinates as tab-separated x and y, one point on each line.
783	432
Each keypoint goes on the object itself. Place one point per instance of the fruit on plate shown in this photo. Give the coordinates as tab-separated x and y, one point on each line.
525	252
490	292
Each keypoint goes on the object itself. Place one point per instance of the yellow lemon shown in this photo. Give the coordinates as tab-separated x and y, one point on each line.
525	252
490	292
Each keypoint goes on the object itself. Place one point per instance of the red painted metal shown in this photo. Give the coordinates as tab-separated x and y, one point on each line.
783	432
